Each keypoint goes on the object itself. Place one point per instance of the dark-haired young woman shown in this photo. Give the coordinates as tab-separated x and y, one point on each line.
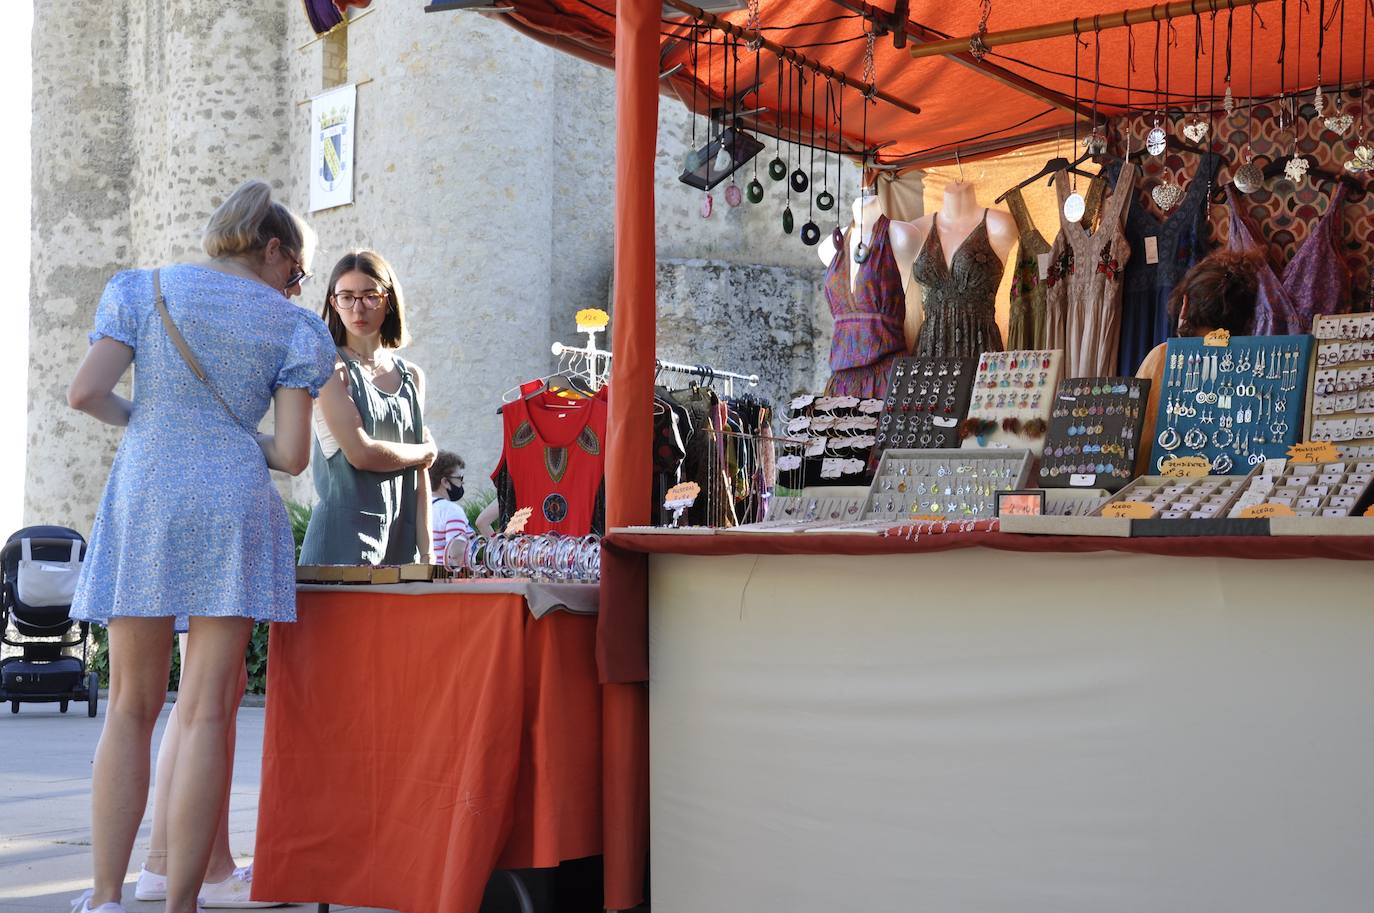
1218	293
371	447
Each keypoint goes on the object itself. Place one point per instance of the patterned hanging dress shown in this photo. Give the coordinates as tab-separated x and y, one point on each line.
1026	325
1316	281
870	317
960	296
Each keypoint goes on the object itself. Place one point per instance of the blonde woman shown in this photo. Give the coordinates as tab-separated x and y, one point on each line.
191	532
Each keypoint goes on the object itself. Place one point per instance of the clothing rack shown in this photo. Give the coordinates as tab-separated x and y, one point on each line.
599	364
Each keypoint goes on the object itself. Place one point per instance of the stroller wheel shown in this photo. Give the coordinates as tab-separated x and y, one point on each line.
62	707
92	694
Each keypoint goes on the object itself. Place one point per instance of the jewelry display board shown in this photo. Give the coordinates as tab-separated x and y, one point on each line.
1341	408
1337	489
1237	405
1094	432
797	513
927	398
828	440
1203	498
1012	396
940	483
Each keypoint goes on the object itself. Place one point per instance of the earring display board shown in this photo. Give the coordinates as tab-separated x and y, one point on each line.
797	513
1237	405
828	441
1342	403
955	485
927	398
1013	393
1094	432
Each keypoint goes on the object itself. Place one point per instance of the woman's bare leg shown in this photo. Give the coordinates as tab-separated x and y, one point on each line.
206	706
140	660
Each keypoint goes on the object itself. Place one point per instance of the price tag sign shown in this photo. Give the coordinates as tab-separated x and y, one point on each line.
1265	511
1369	511
518	521
1314	452
681	496
1217	338
591	320
1129	510
1186	467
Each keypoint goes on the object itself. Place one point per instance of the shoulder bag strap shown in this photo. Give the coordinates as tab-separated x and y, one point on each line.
186	354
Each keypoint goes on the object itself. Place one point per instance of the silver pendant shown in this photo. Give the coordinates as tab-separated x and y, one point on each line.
1157	140
1075	207
1296	169
1248	177
1362	160
1195	130
1338	123
1228	101
1167	195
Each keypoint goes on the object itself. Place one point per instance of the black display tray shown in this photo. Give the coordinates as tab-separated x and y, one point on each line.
1219	527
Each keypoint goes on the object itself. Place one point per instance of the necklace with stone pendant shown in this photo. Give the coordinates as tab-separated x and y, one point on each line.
371	366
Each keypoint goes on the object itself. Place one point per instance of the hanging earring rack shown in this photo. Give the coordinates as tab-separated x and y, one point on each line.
598	363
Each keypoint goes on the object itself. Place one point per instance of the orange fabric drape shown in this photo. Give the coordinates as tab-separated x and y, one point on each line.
415	743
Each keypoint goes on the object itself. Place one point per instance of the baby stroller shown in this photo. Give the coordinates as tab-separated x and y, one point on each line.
39	566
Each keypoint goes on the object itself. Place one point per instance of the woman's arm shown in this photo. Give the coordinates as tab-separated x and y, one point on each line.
287	448
424	533
486	520
359	448
92	389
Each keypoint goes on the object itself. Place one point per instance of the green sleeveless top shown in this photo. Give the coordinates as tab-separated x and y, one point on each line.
368	517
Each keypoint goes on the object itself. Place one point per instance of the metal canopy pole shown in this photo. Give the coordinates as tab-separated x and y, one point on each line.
1100	22
724	25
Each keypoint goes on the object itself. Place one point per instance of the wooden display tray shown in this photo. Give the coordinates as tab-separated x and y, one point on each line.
366	573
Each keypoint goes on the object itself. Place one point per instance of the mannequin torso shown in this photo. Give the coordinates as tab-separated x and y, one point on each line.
959	216
903	241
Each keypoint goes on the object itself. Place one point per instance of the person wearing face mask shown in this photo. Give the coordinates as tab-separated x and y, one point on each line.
371	445
447	518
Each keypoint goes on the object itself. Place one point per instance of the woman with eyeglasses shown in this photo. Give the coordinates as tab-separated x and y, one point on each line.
214	344
371	446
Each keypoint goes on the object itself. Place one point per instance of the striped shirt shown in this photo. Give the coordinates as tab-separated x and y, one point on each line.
447	521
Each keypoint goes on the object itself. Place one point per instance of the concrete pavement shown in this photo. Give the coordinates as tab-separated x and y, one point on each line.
45	783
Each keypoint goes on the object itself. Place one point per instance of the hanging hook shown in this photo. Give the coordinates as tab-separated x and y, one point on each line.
958	162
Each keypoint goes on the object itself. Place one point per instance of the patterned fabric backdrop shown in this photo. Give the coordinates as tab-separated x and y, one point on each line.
1283	212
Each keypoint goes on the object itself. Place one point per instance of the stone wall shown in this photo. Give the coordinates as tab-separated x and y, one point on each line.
484	173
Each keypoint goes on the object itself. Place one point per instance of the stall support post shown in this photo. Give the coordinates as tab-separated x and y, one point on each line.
630	433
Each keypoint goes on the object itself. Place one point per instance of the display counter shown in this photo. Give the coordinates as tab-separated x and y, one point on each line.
415	743
1003	723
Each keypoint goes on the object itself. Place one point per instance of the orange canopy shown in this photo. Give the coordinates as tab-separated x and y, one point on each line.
1017	94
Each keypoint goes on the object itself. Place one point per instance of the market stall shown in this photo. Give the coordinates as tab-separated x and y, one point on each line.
990	621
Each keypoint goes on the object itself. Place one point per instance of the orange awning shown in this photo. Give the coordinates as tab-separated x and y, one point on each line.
1016	94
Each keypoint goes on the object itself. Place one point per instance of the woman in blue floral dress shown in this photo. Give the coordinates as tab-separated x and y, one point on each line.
191	531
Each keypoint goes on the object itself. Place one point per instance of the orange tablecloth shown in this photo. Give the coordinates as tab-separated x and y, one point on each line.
415	743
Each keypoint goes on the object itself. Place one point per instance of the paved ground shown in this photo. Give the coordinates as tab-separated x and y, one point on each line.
45	781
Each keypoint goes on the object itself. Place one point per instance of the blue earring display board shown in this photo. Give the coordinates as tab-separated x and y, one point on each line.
1236	405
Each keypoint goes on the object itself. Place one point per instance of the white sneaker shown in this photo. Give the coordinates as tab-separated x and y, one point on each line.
150	886
82	904
233	893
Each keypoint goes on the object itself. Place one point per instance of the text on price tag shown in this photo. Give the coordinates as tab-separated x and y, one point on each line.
1314	452
1186	467
1129	510
1265	511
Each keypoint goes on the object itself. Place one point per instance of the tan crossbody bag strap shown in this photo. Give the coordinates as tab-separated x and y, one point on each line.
186	354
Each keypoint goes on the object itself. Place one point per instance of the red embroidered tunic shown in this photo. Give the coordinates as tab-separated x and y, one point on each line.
554	462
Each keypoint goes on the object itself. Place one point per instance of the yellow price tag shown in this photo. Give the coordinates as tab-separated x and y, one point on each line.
1129	510
1369	511
1217	338
1314	452
1186	467
589	319
681	496
926	518
518	521
1265	511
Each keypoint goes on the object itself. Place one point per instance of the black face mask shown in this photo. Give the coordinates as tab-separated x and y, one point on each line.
455	493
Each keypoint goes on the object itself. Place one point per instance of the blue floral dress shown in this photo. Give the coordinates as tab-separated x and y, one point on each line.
190	523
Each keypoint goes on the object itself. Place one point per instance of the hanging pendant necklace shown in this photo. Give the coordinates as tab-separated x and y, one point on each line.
754	191
800	180
788	221
1074	204
733	194
1195	126
1338	121
708	202
1156	140
1296	168
1167	193
811	232
863	250
1248	178
825	200
1362	156
777	168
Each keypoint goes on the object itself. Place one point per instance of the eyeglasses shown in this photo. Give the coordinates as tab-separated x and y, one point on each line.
347	301
298	275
